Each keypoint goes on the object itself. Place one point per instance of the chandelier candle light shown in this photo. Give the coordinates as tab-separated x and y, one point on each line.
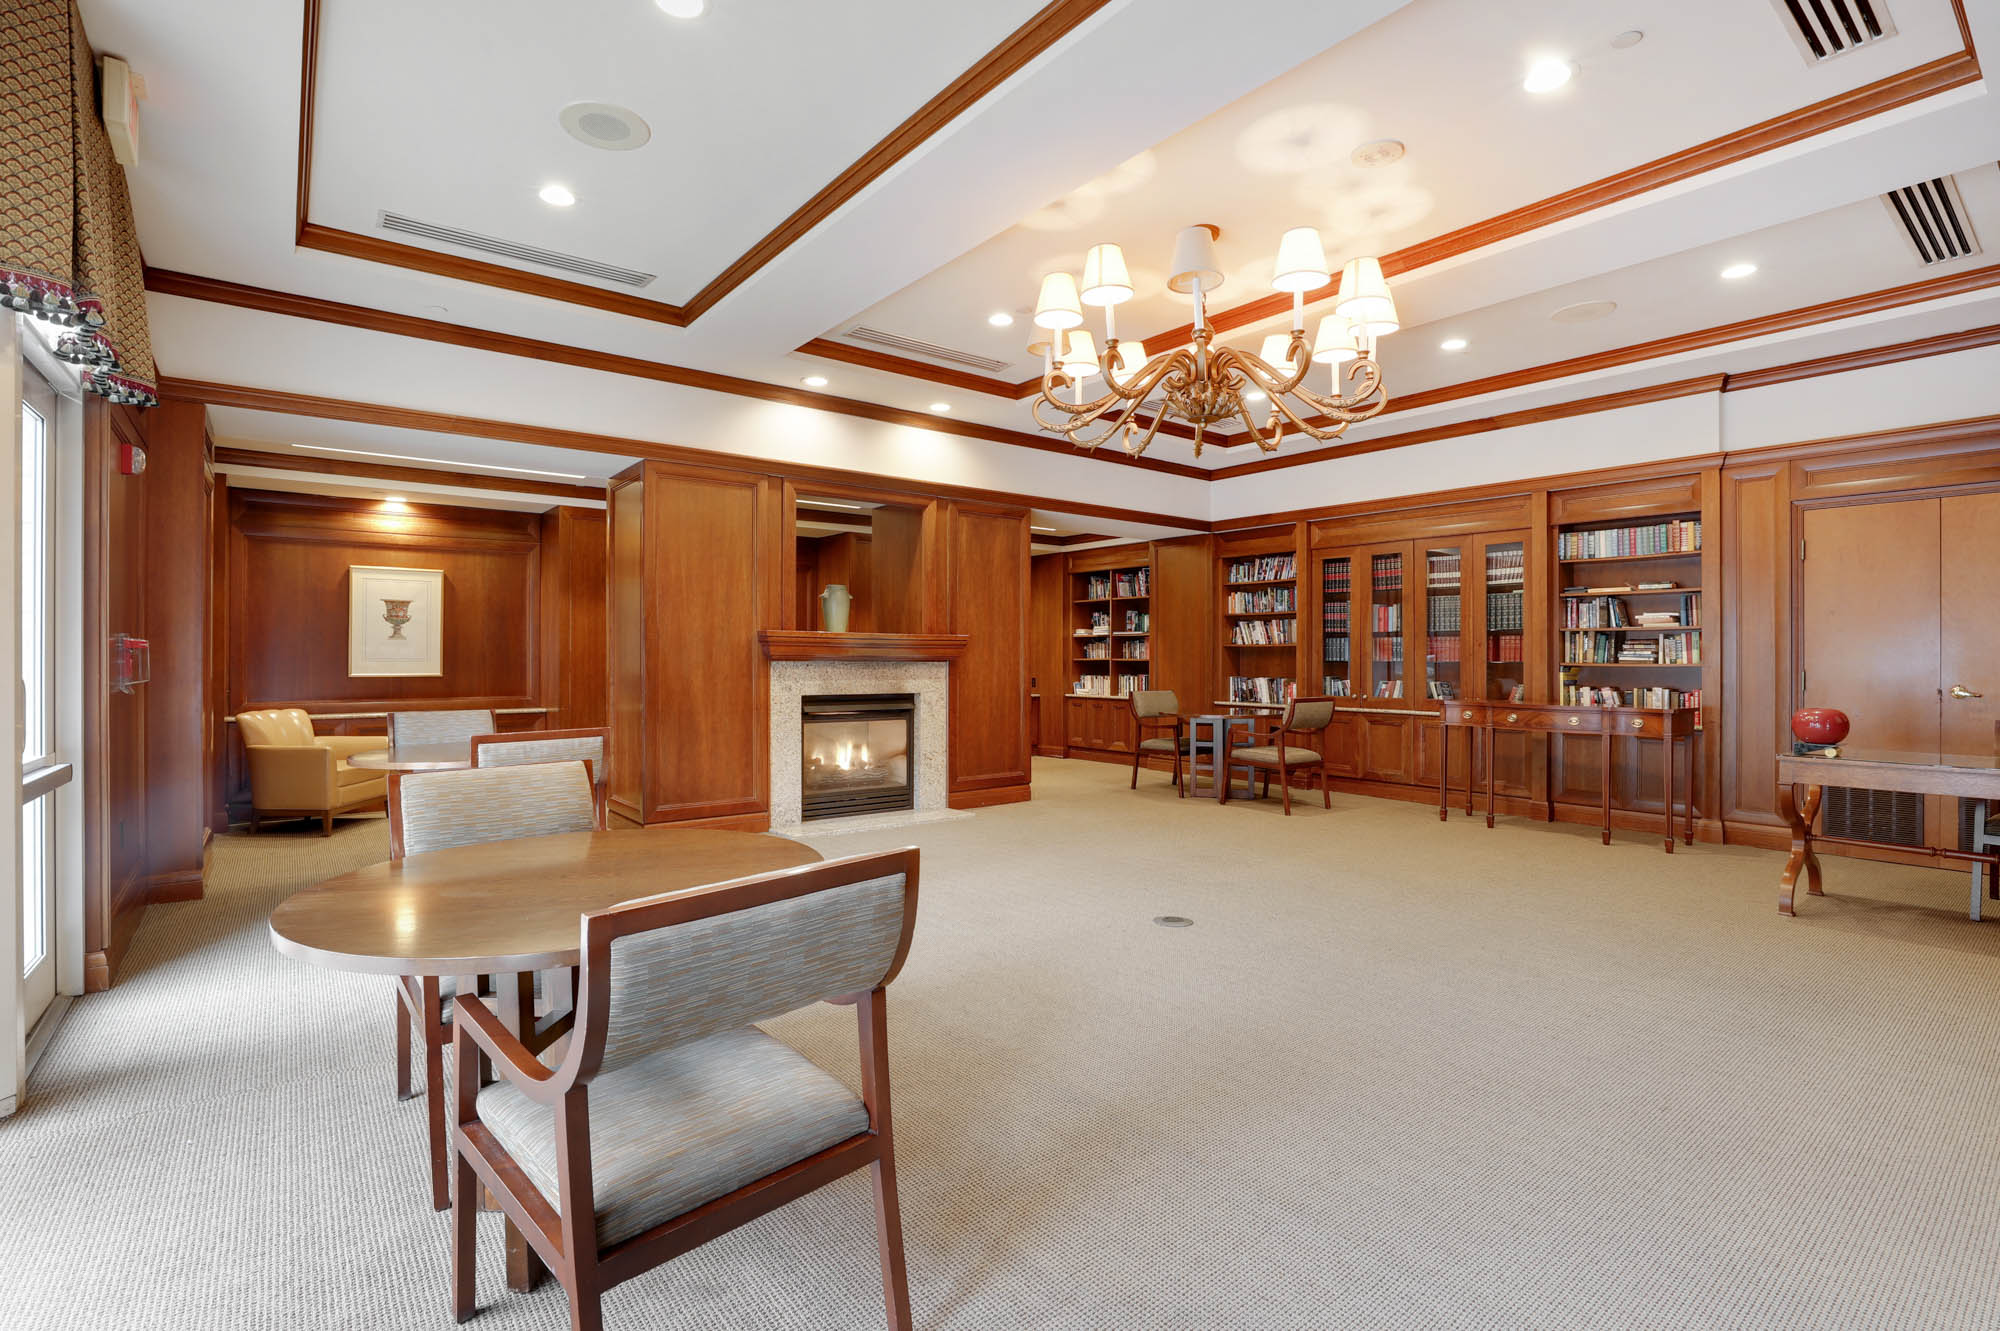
1205	385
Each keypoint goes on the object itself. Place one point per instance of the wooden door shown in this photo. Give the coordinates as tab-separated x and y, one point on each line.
1869	620
1969	678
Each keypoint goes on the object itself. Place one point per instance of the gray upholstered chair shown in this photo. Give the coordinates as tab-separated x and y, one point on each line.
546	746
668	1118
1273	751
439	727
1157	709
439	810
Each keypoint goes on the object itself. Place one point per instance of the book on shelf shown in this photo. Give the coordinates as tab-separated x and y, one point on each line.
1441	614
1133	651
1096	587
1264	568
1265	601
1096	649
1337	649
1388	618
1264	632
1388	573
1505	610
1654	586
1138	582
1675	536
1130	684
1336	688
1336	619
1444	647
1261	688
1505	568
1389	688
1337	578
1442	573
1138	621
1441	690
1093	686
1505	648
1388	649
1573	694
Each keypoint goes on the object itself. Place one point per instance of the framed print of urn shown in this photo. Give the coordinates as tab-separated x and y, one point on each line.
395	621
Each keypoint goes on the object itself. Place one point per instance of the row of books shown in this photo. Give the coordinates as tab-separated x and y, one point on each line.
1599	648
1264	632
1611	612
1100	621
1441	689
1134	649
1507	567
1104	686
1138	621
1443	648
1098	650
1139	582
1337	581
1268	600
1504	648
1261	688
1388	688
1266	568
1337	649
1388	573
1388	649
1336	620
1505	610
1441	614
1442	573
1388	618
1591	695
1676	536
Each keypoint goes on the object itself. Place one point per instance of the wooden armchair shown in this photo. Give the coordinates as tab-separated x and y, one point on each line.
669	1119
439	810
1157	708
1273	751
297	774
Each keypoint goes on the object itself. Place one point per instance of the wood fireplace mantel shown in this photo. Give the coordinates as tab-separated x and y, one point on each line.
798	645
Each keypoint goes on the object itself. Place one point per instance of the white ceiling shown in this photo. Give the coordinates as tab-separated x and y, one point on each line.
447	112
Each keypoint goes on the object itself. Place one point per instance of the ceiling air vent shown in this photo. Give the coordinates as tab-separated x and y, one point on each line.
1827	28
507	249
910	346
1933	217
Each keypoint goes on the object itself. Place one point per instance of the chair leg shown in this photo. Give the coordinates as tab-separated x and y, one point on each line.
434	1037
1325	790
256	823
326	824
402	1045
586	1308
889	1235
464	1239
1285	788
1135	764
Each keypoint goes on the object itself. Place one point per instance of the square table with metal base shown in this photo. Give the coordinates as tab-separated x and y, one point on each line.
1966	775
1217	728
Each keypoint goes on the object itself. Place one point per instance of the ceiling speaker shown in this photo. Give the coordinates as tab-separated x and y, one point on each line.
602	125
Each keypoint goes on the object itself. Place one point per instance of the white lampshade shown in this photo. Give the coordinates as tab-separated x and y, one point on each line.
1275	349
1131	359
1079	358
1105	281
1058	307
1365	298
1337	342
1194	259
1301	262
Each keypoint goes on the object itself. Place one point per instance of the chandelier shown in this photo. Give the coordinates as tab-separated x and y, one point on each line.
1206	384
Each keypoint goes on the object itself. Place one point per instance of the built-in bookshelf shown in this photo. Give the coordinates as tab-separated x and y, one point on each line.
1628	613
1260	626
1111	627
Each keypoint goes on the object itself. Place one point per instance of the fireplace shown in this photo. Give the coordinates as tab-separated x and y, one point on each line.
855	754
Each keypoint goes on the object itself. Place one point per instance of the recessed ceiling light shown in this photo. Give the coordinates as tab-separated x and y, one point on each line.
814	381
1381	152
1452	344
1584	311
1000	319
941	407
557	196
1736	272
602	125
1548	74
682	8
1627	39
1254	395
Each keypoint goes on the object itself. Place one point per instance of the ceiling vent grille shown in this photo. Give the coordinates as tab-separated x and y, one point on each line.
910	346
1932	215
1827	28
508	249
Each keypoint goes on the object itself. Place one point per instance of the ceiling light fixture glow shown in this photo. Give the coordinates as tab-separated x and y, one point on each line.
1000	319
1452	344
814	381
1548	74
1736	272
682	8
439	462
941	407
556	196
1050	530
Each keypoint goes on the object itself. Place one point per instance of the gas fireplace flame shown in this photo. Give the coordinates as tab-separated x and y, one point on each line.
846	756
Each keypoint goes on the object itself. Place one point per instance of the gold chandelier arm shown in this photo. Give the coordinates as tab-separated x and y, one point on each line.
1277	430
1272	379
1365	401
1076	427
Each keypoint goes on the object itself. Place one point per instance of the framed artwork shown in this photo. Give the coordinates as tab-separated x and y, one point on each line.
395	621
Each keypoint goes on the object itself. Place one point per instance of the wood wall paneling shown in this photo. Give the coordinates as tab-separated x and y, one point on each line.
1048	652
1184	622
574	684
627	646
896	569
175	563
987	559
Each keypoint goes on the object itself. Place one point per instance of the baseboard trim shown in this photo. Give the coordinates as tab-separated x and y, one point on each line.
982	799
177	886
733	822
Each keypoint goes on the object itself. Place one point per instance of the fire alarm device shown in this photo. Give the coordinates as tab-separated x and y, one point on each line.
121	91
131	459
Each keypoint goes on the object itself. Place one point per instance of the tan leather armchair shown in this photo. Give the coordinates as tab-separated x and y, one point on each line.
297	774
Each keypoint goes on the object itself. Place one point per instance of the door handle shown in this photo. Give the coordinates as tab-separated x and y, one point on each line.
1960	691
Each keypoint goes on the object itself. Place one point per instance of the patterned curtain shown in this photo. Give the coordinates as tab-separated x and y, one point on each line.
68	251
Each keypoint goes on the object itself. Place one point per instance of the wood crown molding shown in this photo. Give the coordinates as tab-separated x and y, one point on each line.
220	292
803	645
1050	25
387	471
410	418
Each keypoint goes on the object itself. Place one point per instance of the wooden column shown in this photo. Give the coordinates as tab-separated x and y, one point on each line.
178	540
571	618
987	593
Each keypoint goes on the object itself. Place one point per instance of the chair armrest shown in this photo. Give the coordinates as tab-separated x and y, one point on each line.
472	1020
290	776
346	746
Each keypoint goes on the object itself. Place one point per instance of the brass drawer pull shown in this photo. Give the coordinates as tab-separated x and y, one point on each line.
1576	720
1513	717
1638	723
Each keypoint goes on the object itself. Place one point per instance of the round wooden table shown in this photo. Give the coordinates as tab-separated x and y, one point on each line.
415	758
506	907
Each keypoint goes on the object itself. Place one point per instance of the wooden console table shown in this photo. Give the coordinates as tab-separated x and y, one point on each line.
1607	723
1966	775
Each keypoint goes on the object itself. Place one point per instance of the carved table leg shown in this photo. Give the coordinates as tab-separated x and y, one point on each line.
1687	789
1604	779
1667	785
1801	817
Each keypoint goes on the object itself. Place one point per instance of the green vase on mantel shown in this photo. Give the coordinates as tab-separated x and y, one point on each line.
833	606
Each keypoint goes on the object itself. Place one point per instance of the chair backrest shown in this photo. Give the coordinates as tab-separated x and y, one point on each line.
542	746
465	806
1155	702
1309	714
276	725
669	969
439	727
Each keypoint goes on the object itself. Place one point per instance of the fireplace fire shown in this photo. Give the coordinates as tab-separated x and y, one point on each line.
856	754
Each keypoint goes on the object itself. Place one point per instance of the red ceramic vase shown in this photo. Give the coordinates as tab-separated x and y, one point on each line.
1820	725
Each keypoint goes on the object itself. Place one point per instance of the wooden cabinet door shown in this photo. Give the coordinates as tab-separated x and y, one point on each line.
1341	743
1114	725
1076	722
1385	747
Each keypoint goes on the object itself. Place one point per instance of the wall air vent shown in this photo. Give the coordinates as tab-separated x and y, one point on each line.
508	249
910	346
1932	215
1827	28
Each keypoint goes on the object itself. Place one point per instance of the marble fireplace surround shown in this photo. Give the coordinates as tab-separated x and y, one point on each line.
792	681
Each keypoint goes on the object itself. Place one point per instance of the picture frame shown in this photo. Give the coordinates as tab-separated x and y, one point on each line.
395	621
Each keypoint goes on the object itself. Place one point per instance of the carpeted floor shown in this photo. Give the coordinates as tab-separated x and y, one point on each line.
1397	1075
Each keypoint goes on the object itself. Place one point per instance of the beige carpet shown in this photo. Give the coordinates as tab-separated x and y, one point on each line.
1397	1075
